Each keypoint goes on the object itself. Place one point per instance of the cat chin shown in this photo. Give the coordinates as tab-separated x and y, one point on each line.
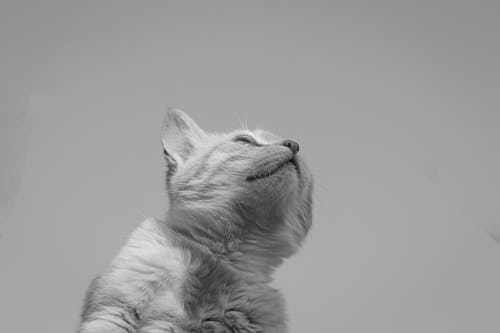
284	169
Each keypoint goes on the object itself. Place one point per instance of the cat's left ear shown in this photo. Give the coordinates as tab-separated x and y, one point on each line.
180	135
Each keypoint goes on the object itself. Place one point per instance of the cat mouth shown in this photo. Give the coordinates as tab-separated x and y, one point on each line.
269	172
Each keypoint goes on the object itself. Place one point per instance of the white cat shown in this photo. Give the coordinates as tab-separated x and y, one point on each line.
240	203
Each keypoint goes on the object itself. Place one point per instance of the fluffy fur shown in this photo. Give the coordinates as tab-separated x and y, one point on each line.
239	204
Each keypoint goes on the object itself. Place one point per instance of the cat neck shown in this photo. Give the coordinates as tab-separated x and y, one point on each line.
221	246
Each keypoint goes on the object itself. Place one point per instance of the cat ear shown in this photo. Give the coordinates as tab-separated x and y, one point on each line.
180	135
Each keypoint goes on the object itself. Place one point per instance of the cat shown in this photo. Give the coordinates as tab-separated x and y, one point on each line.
240	203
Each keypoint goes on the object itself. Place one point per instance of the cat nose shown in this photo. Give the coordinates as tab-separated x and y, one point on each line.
292	145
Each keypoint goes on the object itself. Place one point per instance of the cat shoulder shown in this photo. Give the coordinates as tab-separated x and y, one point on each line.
150	255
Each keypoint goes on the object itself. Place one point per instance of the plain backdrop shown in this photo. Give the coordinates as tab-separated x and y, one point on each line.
395	106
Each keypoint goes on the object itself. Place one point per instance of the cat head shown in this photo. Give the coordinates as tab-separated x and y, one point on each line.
246	192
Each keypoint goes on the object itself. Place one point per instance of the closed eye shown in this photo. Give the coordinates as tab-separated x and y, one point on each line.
246	139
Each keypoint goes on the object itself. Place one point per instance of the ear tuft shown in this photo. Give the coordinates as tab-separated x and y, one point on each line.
180	135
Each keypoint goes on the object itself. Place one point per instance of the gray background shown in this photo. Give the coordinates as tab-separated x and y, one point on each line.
395	105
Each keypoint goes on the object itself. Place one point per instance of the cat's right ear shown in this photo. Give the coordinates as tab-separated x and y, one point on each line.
180	135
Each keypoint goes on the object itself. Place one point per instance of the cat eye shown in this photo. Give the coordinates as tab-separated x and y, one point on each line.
246	139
